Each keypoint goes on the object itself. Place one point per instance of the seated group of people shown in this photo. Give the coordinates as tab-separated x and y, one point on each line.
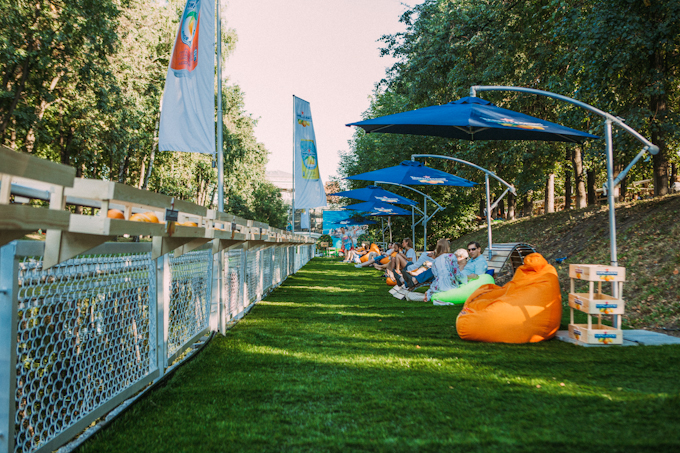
442	269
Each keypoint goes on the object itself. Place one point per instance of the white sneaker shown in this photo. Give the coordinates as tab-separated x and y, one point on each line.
357	260
415	297
358	266
441	302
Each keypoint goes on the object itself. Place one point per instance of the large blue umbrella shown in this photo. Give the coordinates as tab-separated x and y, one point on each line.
375	193
355	221
413	173
376	206
472	118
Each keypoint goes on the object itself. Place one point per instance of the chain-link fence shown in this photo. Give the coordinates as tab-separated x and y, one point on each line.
79	338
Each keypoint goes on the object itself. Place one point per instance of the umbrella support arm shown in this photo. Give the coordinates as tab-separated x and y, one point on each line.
495	203
609	120
455	159
653	149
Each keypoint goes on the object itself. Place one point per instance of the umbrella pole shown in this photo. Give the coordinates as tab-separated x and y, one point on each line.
413	226
425	227
382	228
488	213
612	208
389	223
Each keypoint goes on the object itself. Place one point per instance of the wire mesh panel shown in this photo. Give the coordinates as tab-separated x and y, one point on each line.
267	268
252	275
189	298
233	288
83	337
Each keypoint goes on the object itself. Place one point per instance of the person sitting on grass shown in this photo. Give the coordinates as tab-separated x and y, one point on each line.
447	269
391	255
419	272
404	259
477	264
354	255
373	257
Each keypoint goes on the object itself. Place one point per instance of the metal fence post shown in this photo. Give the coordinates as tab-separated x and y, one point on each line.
9	269
163	290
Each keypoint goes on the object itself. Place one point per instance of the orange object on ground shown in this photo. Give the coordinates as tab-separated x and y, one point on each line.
148	217
374	248
387	260
364	258
391	282
115	214
526	310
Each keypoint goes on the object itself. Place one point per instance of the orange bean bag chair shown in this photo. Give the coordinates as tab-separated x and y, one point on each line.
374	248
386	259
364	258
526	310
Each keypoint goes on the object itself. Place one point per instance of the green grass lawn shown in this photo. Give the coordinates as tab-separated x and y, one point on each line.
331	362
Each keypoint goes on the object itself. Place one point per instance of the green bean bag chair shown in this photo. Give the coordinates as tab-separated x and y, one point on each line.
460	295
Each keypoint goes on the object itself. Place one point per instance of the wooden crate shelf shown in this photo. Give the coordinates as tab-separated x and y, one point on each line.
597	303
595	334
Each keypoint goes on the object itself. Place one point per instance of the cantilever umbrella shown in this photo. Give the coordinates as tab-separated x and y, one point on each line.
375	193
379	209
358	221
413	173
389	216
472	118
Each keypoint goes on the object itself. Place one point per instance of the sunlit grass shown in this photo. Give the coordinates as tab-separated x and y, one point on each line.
357	370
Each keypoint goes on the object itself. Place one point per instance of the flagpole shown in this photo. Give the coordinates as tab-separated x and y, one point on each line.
220	120
293	207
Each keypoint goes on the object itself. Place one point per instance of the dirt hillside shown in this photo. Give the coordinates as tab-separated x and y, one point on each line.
648	237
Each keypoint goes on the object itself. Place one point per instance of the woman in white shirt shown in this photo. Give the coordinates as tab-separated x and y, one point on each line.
448	272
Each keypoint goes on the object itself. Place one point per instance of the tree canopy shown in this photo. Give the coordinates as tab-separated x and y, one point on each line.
82	82
621	56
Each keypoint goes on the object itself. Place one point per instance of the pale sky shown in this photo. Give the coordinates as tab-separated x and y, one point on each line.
323	51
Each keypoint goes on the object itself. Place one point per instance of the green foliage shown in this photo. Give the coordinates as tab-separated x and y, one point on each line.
618	55
82	83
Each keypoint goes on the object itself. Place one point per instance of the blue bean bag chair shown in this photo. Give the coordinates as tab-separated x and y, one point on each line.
460	295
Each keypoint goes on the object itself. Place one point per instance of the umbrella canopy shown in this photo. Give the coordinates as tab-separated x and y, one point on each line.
375	206
375	193
357	221
412	173
472	118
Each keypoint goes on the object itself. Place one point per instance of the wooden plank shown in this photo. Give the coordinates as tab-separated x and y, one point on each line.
27	166
62	245
20	217
113	227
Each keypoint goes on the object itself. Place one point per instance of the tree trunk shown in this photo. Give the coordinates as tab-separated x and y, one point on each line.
659	110
501	209
512	206
529	203
592	195
567	190
579	182
674	172
549	202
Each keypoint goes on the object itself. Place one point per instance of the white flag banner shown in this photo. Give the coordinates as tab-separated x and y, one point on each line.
188	107
309	190
304	219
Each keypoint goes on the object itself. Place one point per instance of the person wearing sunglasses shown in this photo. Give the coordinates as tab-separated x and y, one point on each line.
476	264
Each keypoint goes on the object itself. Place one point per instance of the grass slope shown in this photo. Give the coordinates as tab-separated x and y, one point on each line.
648	242
331	363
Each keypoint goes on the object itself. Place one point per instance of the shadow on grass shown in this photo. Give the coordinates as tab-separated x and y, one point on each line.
323	373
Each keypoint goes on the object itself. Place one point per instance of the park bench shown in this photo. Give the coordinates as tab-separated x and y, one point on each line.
506	258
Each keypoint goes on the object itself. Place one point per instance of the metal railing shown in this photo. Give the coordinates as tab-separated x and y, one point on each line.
80	338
